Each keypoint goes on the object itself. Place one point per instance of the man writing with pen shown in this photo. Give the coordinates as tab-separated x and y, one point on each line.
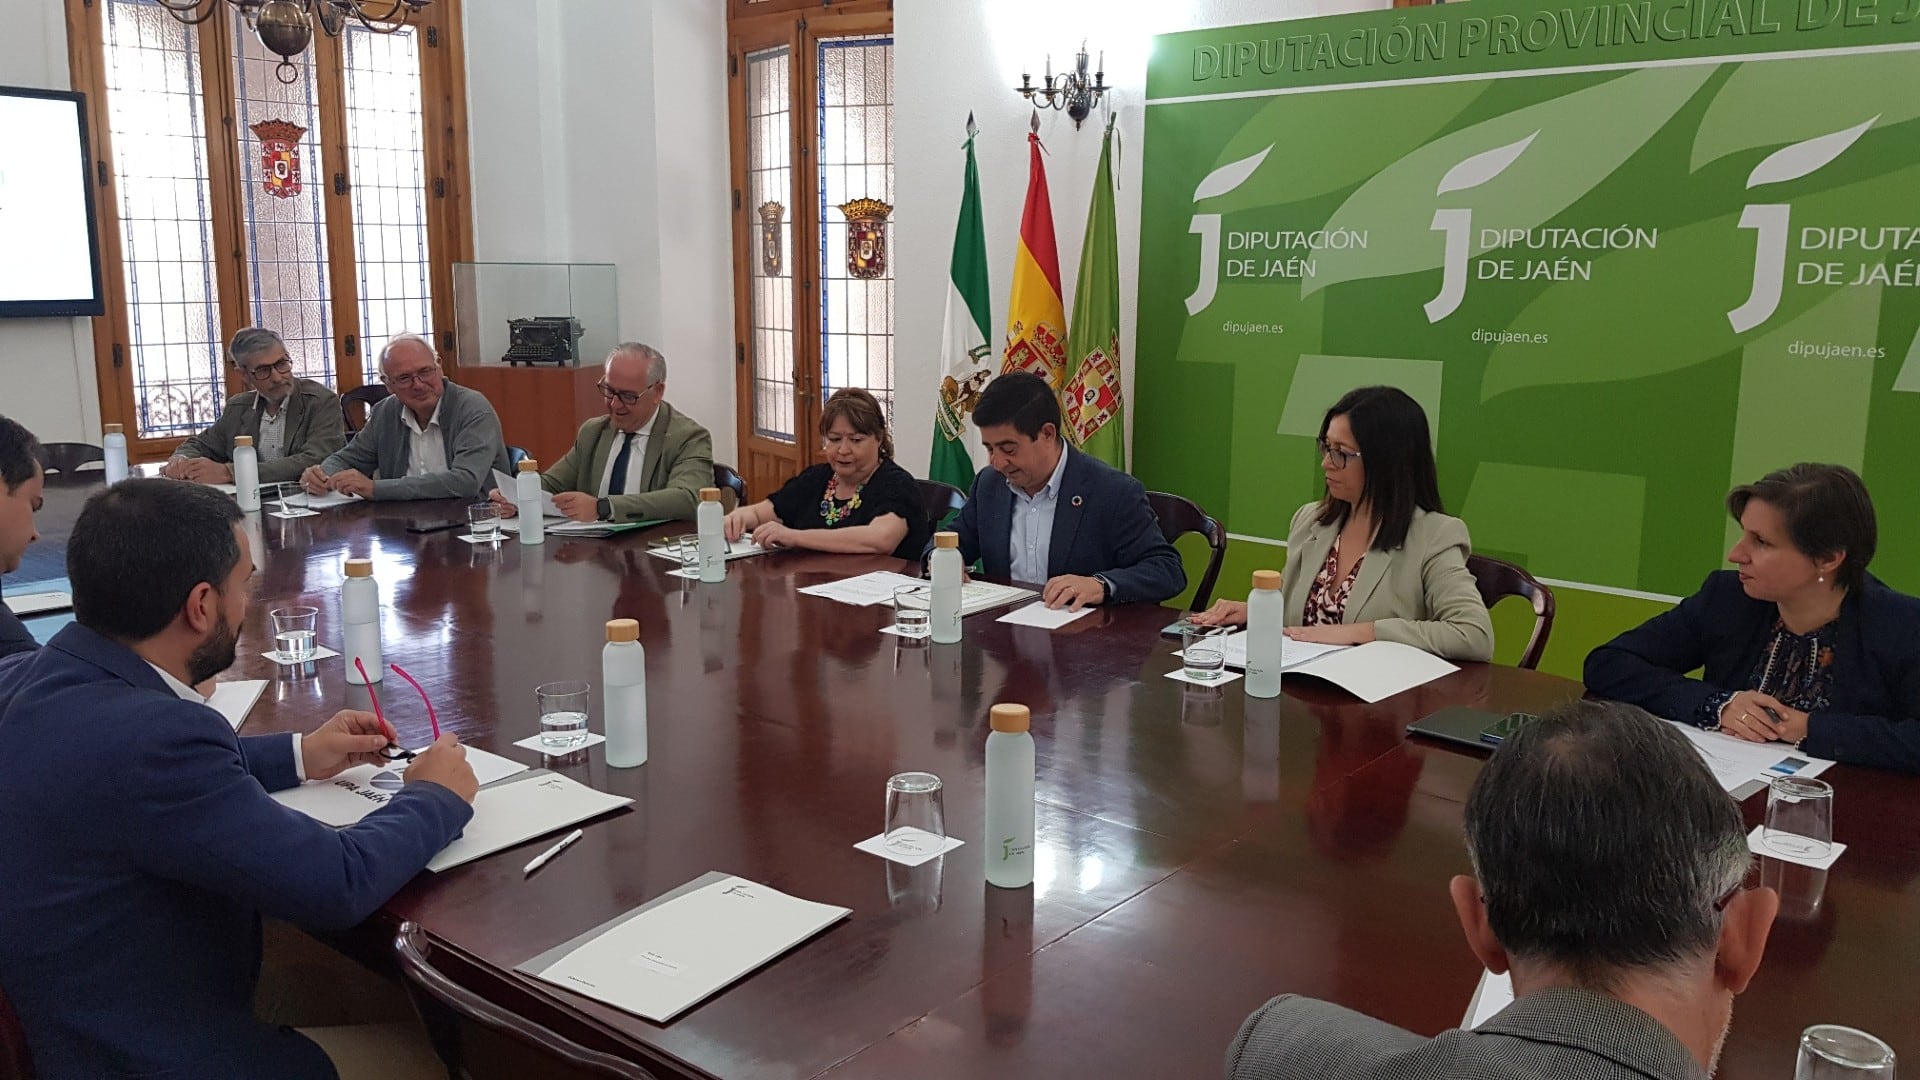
142	847
643	461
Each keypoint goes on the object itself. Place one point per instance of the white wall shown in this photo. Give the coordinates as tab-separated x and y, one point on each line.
598	133
954	57
46	365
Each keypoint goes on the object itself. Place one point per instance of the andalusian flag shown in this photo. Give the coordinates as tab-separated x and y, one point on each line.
964	352
1035	317
1095	414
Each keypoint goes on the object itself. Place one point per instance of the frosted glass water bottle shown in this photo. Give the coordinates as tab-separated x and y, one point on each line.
526	497
946	569
709	523
115	442
623	682
1009	836
360	619
1266	616
246	474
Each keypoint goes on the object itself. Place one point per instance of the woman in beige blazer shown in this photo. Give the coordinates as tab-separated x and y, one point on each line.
1378	559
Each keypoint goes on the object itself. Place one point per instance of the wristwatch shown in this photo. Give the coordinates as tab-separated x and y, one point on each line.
1104	584
604	508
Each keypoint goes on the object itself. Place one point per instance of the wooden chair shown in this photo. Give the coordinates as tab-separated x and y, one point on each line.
1180	516
444	1004
726	479
1497	579
366	397
66	458
15	1062
940	500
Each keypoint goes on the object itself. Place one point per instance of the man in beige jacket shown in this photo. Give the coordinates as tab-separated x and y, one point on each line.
643	461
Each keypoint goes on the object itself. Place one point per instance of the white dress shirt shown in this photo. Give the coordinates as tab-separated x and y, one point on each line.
427	447
636	471
272	443
1031	543
187	693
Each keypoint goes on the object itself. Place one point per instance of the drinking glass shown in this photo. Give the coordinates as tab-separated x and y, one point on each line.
485	520
913	611
1799	817
292	499
688	547
293	632
1201	655
916	817
1832	1052
563	713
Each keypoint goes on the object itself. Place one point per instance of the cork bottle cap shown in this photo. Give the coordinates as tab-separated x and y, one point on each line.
114	429
243	440
360	568
529	465
623	630
1266	579
1012	719
947	540
709	494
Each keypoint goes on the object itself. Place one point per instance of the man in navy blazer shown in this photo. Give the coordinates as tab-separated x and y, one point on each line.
1043	513
20	482
141	847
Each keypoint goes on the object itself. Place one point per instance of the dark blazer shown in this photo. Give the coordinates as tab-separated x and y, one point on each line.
141	849
14	636
1565	1034
1102	525
315	428
1874	715
677	464
383	449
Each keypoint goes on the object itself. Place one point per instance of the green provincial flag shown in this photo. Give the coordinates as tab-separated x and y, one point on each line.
1095	412
964	352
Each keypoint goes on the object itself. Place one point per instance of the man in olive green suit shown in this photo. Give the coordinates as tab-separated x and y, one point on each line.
294	423
642	461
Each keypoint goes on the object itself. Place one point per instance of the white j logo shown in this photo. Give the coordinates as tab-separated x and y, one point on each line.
1457	225
1218	182
1770	221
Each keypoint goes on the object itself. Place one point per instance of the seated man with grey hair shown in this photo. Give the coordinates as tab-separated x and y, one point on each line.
643	461
1607	879
294	423
430	440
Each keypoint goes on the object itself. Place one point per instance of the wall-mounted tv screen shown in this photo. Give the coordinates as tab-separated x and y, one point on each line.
49	251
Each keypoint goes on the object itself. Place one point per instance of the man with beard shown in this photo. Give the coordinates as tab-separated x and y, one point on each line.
295	423
1607	871
20	483
141	847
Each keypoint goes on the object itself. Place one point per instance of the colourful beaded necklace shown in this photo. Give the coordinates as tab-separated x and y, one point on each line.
833	513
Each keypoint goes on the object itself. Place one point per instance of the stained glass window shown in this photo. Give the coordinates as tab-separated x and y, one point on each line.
385	151
769	182
856	202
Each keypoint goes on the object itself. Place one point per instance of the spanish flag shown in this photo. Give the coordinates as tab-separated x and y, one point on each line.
1036	319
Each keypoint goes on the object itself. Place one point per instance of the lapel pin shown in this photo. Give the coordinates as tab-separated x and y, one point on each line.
1077	500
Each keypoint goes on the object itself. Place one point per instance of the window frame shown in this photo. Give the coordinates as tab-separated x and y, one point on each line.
447	197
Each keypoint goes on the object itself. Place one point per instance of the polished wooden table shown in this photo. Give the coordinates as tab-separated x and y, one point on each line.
1198	851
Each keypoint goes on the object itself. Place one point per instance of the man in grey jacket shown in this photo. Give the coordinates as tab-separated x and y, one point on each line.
1607	871
294	423
430	440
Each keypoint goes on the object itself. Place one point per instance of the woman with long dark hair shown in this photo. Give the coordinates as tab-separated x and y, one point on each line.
1378	558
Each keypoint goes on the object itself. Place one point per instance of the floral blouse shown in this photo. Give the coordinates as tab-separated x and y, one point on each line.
1327	596
1795	669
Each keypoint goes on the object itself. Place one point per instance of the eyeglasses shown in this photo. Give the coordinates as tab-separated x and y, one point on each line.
282	366
393	751
627	397
1340	458
423	376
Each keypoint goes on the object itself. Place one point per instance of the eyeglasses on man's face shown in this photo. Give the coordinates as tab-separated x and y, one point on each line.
282	366
625	397
425	376
1334	455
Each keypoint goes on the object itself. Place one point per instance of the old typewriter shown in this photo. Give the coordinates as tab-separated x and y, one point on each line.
544	339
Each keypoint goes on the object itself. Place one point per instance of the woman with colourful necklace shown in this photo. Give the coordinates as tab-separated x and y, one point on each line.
858	500
1799	643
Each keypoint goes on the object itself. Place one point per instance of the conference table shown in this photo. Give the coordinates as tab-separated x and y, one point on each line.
1198	851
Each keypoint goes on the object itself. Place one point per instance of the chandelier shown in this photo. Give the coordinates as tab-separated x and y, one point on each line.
1077	91
286	26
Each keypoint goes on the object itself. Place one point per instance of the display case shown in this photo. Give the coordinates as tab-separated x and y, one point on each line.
534	338
517	314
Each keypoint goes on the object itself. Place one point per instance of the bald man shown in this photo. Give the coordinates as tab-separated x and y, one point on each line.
430	440
643	461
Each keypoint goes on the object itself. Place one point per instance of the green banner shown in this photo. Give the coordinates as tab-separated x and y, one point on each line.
1621	277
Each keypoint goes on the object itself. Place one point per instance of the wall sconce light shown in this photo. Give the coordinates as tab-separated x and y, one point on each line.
1076	91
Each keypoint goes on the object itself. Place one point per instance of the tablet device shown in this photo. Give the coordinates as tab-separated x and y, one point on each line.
1470	727
435	526
39	602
